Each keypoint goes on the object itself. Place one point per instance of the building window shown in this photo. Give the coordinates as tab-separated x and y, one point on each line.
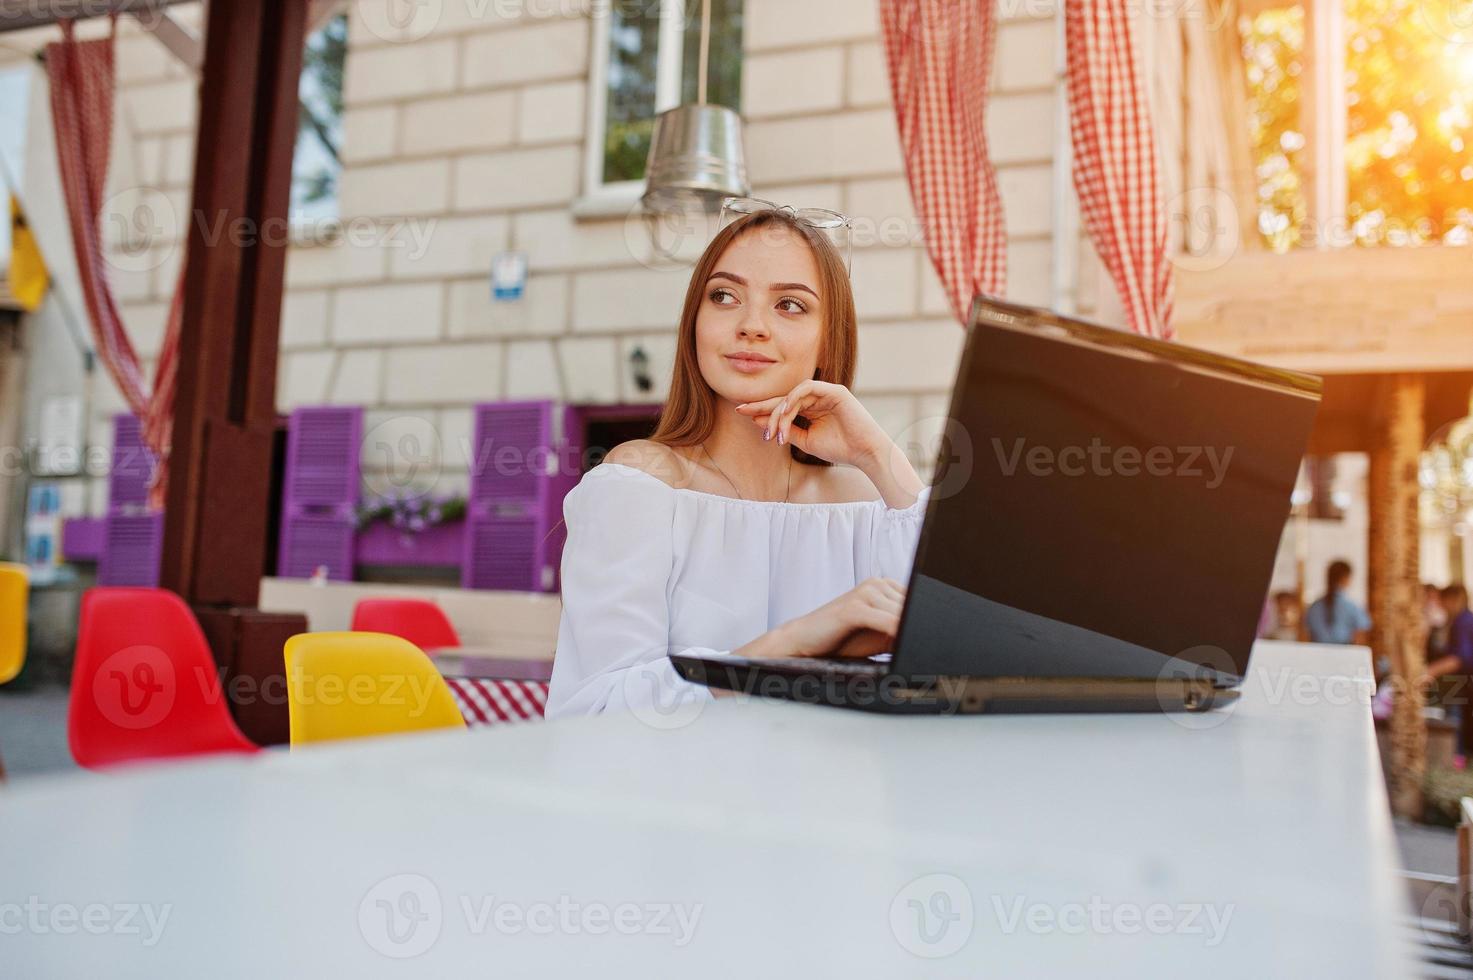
316	165
1361	125
646	60
1273	60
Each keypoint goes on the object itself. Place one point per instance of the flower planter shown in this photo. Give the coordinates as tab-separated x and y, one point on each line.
384	544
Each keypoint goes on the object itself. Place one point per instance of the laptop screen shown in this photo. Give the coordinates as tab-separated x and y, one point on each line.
1105	505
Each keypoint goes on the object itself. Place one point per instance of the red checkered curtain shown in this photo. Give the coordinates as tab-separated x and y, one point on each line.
940	58
82	84
1116	172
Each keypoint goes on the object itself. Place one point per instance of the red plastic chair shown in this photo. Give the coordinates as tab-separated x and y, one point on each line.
419	621
144	685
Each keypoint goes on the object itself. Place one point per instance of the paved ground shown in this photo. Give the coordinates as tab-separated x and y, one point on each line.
1428	850
33	732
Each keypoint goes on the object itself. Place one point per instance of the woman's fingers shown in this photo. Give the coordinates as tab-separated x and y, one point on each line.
876	603
777	415
865	643
785	421
790	404
886	600
886	621
763	407
768	413
764	422
893	588
812	405
887	587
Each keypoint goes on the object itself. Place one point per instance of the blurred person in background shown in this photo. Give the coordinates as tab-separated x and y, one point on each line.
1456	664
1335	617
1288	616
1457	655
1434	616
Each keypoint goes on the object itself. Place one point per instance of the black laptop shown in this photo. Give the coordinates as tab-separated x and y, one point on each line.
1100	534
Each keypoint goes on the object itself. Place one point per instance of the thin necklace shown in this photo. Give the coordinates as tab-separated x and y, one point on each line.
786	493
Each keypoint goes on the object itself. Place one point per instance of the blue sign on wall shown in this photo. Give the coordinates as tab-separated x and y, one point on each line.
508	276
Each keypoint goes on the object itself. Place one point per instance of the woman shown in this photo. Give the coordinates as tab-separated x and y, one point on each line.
768	515
1335	617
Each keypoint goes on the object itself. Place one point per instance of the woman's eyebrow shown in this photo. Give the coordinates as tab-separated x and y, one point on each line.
776	287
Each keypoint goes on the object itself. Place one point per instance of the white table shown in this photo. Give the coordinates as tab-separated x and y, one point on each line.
797	831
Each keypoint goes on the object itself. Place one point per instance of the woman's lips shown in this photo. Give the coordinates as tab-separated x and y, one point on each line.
749	363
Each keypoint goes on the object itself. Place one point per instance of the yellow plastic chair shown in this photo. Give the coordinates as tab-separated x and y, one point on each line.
15	586
358	685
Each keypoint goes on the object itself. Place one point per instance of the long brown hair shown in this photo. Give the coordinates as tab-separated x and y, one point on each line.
690	408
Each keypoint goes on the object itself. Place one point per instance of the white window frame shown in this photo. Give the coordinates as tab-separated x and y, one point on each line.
600	198
1328	193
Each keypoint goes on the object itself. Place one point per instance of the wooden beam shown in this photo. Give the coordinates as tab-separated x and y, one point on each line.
180	41
1349	417
225	413
20	15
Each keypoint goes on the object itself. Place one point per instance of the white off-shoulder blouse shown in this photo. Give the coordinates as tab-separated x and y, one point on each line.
650	569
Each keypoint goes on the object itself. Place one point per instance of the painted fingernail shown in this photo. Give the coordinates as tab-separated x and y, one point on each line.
767	435
780	439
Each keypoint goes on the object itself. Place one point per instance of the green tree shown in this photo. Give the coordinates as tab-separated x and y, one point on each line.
317	163
1409	124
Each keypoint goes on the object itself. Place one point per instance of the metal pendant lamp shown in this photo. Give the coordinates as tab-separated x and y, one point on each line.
696	157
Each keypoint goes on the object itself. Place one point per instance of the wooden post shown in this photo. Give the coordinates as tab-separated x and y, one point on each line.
1394	576
218	502
225	411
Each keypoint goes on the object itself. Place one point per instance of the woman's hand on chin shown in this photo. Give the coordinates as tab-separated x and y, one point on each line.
840	429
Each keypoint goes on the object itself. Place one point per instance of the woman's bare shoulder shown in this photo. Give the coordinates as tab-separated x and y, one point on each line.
657	459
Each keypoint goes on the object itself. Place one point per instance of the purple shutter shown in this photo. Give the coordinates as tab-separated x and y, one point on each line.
509	511
319	492
132	535
132	465
131	549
